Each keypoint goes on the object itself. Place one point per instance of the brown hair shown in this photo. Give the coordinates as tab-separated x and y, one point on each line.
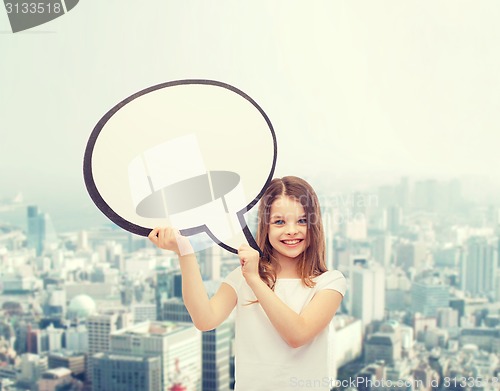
311	262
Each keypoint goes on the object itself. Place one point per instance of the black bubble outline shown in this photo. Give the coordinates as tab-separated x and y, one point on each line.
143	231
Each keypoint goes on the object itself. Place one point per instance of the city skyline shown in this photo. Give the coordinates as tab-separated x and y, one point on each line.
79	212
422	269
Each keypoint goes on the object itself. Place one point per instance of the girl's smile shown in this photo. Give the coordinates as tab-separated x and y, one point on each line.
292	243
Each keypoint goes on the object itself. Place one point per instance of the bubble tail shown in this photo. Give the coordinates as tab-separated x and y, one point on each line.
231	243
240	234
251	240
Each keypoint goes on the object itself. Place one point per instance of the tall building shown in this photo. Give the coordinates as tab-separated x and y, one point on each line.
55	304
32	367
215	347
341	254
394	218
367	291
428	295
82	241
210	261
55	337
426	195
411	255
407	339
77	338
381	248
446	256
22	337
116	372
421	324
479	266
41	233
347	340
403	193
168	285
178	347
216	354
174	310
447	318
99	329
397	293
38	341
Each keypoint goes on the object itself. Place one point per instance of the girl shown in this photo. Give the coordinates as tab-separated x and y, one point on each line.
284	301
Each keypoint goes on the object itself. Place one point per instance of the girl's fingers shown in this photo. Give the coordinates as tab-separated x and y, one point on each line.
162	235
153	235
166	238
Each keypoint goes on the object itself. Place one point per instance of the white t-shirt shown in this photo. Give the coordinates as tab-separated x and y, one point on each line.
263	360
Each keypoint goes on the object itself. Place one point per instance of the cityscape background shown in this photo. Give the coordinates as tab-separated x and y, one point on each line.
98	308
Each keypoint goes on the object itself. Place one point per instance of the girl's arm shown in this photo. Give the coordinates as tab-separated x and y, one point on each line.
206	313
295	329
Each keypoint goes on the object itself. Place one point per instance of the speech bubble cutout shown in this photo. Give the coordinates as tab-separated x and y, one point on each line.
192	154
24	14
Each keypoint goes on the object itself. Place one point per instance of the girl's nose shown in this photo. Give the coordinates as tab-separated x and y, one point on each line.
291	229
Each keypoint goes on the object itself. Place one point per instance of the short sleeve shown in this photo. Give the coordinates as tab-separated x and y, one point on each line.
332	279
234	279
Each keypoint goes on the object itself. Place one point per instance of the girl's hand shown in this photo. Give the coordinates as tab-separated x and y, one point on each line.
168	238
249	259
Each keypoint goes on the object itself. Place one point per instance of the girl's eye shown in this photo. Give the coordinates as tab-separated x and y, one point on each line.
279	222
303	221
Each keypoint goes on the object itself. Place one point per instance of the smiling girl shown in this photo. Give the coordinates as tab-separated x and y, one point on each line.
285	300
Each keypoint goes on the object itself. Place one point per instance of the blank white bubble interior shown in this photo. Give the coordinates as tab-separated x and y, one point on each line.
180	132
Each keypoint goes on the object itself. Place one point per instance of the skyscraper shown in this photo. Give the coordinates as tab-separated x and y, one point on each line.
215	347
403	193
447	318
77	338
210	261
168	285
41	233
479	266
394	218
100	328
368	291
216	354
32	367
347	340
174	310
381	248
411	255
426	195
178	347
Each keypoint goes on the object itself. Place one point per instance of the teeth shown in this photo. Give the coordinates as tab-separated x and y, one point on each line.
291	241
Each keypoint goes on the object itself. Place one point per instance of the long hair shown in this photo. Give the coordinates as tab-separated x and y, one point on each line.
311	262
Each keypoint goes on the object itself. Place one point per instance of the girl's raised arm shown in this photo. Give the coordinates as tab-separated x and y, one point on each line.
296	329
206	313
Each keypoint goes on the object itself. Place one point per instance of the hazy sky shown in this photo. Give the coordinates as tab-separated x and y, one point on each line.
365	88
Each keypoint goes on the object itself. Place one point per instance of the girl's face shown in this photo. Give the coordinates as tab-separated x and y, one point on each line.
287	228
